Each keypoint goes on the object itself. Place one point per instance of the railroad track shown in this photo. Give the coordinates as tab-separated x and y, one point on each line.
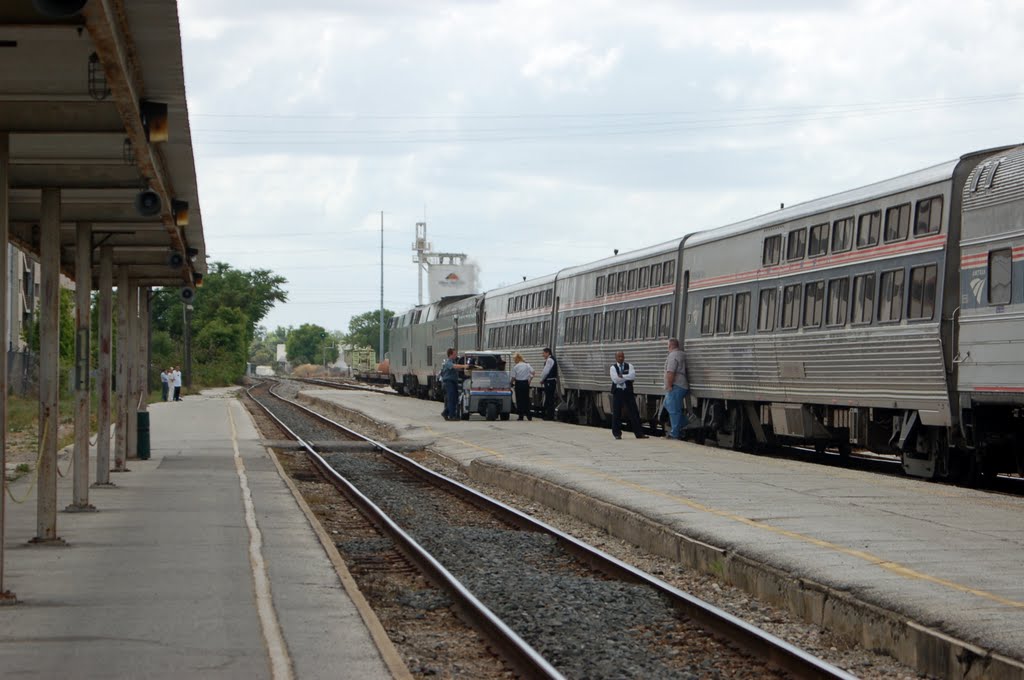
554	606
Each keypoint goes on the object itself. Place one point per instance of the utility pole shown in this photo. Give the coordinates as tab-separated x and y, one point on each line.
380	346
422	248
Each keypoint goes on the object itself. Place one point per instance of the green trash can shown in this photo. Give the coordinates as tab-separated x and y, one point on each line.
142	423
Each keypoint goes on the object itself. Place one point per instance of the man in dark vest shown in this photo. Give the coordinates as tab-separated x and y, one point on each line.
549	378
623	375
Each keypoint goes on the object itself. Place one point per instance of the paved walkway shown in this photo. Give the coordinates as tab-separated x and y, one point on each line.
199	564
829	542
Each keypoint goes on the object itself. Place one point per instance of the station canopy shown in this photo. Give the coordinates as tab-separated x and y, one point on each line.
92	95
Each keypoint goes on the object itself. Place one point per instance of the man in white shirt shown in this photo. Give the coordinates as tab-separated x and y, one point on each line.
176	380
623	375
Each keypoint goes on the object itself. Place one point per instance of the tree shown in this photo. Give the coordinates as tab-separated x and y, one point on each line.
226	313
310	344
364	330
263	349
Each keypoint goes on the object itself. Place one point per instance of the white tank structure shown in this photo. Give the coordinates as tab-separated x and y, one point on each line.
457	276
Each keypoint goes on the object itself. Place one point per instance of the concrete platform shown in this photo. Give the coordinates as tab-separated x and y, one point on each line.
931	573
179	575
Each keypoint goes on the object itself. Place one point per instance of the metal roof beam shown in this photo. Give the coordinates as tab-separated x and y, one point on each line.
107	25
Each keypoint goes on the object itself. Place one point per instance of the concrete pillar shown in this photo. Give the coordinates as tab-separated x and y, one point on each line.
49	368
103	386
83	364
143	345
131	348
123	382
5	180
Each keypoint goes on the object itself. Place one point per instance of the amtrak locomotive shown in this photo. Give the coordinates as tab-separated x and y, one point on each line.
888	318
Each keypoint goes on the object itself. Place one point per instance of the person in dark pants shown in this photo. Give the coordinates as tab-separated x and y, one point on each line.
549	378
623	375
165	383
450	381
522	373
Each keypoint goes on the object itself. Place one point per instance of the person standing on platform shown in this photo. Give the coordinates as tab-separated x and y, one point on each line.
676	387
450	381
623	375
549	379
165	383
176	383
522	373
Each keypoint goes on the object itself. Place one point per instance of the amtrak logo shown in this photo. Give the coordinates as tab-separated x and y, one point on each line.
978	287
451	279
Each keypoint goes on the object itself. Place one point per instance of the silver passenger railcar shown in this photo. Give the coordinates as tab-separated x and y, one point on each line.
627	303
420	337
988	363
517	318
832	321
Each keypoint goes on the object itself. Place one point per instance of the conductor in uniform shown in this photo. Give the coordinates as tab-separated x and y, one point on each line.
623	375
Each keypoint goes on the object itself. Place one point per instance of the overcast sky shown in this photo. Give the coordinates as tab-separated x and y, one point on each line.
538	135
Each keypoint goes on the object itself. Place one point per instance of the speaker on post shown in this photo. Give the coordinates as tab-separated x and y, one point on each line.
147	203
187	294
175	260
59	9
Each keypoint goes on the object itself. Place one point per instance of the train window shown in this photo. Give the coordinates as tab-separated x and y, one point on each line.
585	333
772	250
814	302
599	287
890	295
404	355
622	327
707	316
842	235
929	216
609	325
655	275
897	223
1000	273
652	321
742	316
817	244
631	280
547	297
597	326
665	320
863	298
724	324
922	292
630	333
796	244
668	273
645	277
545	332
620	284
641	322
766	309
838	302
569	323
790	306
510	301
867	230
430	355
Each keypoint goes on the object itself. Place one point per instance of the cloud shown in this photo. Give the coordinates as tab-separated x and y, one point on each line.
570	66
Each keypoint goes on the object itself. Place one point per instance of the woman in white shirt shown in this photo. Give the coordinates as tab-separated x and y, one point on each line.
521	374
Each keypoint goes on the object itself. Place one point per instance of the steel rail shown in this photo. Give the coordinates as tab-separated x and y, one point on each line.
516	650
758	642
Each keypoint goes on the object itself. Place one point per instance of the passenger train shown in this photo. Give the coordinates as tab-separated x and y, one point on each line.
887	318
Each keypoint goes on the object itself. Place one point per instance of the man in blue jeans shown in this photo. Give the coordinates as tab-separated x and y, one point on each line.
676	387
450	381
